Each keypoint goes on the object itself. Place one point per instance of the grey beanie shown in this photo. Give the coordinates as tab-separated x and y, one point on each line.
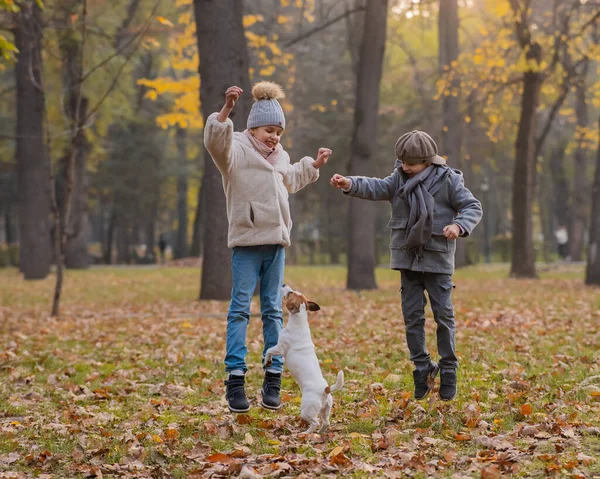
418	147
266	110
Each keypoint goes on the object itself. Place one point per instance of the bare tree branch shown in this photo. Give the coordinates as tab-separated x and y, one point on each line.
127	58
124	46
420	83
321	27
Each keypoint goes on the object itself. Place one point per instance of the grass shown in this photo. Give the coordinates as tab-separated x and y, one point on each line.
129	380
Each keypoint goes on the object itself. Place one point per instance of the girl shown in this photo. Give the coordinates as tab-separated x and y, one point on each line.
257	178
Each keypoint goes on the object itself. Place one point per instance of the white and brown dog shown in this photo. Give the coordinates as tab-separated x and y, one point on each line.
296	346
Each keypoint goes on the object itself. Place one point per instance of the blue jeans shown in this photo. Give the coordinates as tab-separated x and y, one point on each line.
249	264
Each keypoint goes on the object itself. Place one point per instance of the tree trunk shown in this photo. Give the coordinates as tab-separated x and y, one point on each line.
451	118
592	272
523	253
110	235
223	62
181	245
9	226
123	241
198	229
361	246
560	186
31	152
580	183
75	108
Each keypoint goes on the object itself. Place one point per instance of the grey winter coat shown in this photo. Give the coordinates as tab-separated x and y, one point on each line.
454	203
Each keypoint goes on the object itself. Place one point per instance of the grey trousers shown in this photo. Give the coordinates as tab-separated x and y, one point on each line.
439	289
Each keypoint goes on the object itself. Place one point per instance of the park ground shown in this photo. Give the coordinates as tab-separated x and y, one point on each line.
128	382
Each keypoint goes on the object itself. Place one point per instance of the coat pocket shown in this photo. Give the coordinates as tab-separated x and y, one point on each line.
398	233
264	215
438	242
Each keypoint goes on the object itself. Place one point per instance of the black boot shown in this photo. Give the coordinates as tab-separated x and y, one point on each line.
447	385
271	390
423	379
236	396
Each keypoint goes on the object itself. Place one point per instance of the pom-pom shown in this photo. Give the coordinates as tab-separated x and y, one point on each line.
267	90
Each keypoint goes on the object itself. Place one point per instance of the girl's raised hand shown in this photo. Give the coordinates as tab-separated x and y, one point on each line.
231	96
339	181
322	157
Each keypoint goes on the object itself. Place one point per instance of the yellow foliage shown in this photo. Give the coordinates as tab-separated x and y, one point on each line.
179	119
164	21
282	19
501	8
268	71
250	20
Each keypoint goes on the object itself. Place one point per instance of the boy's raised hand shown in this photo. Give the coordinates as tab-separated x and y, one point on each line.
339	181
232	95
322	157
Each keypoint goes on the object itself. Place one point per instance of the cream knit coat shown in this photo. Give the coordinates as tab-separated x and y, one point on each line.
257	192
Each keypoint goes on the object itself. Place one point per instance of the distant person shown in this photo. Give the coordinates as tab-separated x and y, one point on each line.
562	239
431	207
162	247
257	178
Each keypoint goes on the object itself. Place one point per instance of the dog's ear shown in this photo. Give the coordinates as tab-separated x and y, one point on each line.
312	306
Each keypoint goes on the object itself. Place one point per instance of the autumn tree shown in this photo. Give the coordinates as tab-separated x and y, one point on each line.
71	178
31	150
361	230
451	137
523	254
592	273
223	62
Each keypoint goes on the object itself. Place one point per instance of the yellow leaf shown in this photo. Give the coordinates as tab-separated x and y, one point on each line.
157	438
164	21
335	451
282	19
273	442
595	394
250	20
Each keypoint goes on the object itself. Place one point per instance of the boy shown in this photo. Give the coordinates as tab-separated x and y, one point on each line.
430	209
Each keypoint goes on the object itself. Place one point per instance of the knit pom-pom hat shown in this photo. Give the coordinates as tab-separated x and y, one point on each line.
266	110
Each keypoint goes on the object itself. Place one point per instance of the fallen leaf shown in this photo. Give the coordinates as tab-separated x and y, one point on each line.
220	458
335	451
9	458
587	460
526	409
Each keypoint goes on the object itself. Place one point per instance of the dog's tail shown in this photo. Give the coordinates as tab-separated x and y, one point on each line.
339	384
